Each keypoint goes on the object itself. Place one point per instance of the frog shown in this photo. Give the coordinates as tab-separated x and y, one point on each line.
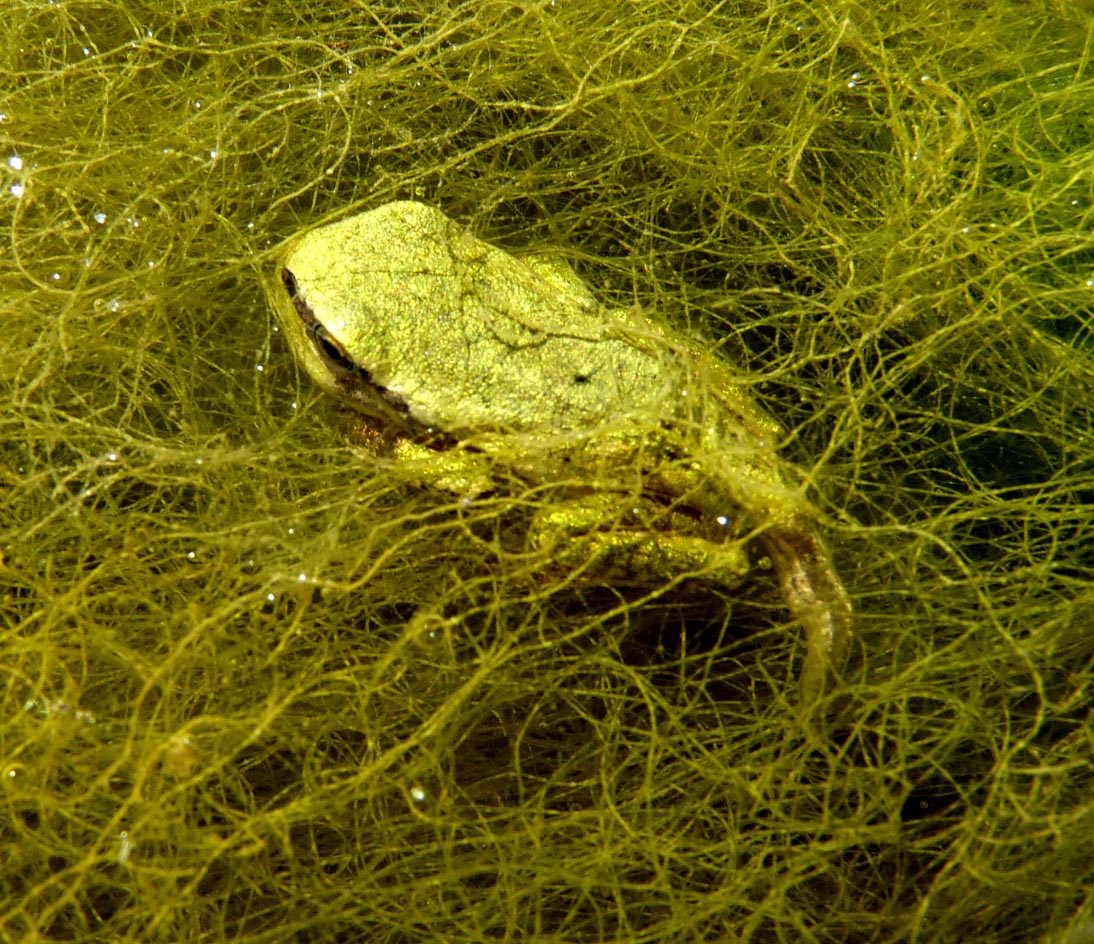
479	368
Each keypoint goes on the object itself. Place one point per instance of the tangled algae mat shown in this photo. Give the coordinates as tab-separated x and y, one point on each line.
256	688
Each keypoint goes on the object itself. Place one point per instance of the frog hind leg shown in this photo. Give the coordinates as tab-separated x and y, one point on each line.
817	599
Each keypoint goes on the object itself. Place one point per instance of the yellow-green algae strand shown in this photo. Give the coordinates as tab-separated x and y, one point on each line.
258	688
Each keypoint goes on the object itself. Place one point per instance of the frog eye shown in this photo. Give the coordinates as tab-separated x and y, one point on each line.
329	349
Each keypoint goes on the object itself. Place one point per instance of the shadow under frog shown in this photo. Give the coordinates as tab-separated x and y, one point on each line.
482	358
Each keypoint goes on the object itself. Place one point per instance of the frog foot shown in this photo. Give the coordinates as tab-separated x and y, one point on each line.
817	599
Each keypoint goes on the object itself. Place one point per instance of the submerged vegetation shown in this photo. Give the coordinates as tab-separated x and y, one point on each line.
258	688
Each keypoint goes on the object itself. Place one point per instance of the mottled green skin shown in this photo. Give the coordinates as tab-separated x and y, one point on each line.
470	336
403	313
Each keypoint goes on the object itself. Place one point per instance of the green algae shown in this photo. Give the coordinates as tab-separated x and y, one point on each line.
257	688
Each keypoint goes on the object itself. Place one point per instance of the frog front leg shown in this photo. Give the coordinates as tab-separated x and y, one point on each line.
589	533
463	472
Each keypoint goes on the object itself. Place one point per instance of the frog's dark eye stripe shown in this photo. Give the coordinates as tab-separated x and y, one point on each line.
327	347
289	281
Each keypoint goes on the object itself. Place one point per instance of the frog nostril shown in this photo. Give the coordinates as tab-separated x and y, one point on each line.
289	281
